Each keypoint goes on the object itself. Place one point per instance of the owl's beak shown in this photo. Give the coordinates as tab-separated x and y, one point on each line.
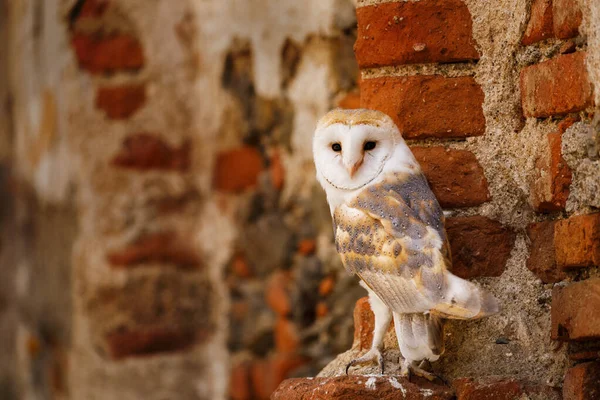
354	167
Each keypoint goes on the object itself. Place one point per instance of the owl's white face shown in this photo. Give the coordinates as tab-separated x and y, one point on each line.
350	156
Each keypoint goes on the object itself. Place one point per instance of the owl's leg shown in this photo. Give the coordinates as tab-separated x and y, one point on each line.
383	316
408	344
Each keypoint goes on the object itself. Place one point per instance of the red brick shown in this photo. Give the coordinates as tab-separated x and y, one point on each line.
268	374
455	176
148	341
239	381
555	87
286	336
567	18
582	382
326	286
165	248
107	54
428	106
354	387
552	178
540	23
120	102
349	101
577	241
414	32
575	311
501	389
364	323
277	293
307	247
542	260
146	151
480	246
238	169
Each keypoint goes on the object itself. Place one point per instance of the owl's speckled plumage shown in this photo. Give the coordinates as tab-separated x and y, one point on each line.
389	230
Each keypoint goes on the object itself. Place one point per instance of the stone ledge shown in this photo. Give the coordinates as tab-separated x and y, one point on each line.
364	387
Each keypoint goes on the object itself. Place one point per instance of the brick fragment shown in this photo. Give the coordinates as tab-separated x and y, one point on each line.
277	171
108	54
428	106
148	341
326	286
277	293
355	387
240	267
577	241
286	336
582	382
502	389
322	309
307	247
268	374
455	176
165	248
120	102
542	259
575	311
239	381
556	87
414	32
147	151
552	177
540	24
567	18
237	169
364	323
480	246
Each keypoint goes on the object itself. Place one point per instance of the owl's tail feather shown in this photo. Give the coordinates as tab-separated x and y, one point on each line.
464	300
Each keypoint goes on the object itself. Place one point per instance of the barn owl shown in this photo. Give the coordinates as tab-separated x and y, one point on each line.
389	230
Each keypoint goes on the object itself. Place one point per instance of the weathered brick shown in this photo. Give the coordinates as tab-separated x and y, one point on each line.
582	382
239	381
542	260
165	248
414	32
455	176
552	177
575	311
148	341
364	323
577	241
428	106
502	389
286	336
540	23
555	87
326	286
277	293
355	387
238	169
349	101
107	54
146	151
587	350
120	102
268	374
567	18
480	246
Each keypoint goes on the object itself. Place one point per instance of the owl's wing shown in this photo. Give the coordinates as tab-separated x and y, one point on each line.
392	235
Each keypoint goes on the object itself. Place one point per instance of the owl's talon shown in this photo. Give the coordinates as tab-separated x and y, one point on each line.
373	354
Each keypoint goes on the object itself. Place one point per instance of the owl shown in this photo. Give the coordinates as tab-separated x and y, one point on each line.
389	231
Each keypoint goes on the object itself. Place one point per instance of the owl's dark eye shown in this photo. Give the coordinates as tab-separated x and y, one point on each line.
336	147
369	146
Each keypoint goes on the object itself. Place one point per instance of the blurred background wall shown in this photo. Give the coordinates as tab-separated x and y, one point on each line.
162	233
